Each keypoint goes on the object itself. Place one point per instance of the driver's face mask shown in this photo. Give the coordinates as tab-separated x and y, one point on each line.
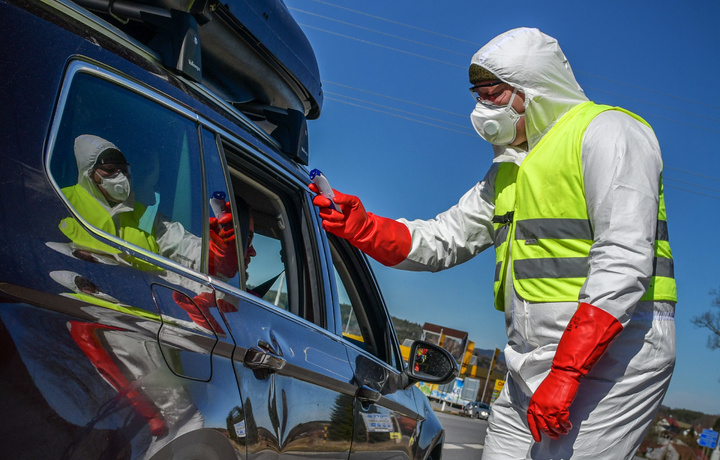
496	124
116	185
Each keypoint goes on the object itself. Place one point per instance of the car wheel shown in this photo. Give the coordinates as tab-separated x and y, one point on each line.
476	415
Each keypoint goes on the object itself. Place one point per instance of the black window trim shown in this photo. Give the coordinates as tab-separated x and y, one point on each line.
372	297
261	155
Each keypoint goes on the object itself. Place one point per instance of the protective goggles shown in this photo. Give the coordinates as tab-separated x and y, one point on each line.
111	170
484	98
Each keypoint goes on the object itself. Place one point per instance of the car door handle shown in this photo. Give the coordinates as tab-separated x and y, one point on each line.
368	395
263	357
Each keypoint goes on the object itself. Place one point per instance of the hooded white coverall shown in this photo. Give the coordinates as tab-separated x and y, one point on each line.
618	399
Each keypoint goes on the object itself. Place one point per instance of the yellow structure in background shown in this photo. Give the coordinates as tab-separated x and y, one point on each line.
463	350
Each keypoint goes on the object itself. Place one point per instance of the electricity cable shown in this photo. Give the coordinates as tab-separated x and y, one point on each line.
398	110
401	116
380	18
379	32
479	45
382	46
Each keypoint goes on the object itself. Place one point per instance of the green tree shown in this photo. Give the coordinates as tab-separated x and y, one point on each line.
406	329
711	321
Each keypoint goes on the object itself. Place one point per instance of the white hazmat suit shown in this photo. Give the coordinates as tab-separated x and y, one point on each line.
617	400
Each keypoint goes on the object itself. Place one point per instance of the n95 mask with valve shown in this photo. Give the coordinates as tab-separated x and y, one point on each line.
117	186
496	124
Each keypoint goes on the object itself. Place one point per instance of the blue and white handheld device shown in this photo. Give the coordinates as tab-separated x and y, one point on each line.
323	185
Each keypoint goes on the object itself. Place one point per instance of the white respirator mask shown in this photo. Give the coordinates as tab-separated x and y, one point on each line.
117	186
496	124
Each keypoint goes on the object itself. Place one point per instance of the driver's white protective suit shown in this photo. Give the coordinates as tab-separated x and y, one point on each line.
617	400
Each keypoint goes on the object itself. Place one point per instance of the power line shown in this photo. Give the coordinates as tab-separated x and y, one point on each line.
694	174
397	110
379	32
479	45
692	184
696	193
456	65
382	46
415	116
396	99
651	90
692	114
396	22
401	116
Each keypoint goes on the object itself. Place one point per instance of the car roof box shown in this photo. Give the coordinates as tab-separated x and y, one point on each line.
250	52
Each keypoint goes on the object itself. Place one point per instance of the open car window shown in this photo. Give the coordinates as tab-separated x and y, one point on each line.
363	319
273	242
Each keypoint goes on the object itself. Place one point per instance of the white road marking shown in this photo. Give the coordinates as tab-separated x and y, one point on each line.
463	446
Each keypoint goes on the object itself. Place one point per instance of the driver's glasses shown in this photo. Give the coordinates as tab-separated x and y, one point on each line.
486	93
111	170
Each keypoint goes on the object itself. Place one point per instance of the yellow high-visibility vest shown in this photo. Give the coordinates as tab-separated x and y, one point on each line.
550	230
88	207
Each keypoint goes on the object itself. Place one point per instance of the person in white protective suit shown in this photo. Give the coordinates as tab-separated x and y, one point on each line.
104	198
573	204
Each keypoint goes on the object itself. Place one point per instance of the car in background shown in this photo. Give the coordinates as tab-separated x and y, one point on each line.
477	409
167	290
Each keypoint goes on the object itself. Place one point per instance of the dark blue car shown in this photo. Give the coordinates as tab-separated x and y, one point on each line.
167	291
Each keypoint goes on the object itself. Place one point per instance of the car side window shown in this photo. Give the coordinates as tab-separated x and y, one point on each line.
130	167
274	248
363	317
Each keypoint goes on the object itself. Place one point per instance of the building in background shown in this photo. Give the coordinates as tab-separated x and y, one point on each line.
473	383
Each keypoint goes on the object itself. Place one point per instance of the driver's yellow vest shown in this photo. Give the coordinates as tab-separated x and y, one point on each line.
93	212
540	209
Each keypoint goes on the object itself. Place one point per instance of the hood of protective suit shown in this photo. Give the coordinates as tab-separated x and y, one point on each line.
87	150
533	63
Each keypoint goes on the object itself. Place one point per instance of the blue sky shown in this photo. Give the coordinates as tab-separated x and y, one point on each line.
395	131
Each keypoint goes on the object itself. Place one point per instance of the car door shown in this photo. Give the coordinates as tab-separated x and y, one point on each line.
151	357
293	373
386	419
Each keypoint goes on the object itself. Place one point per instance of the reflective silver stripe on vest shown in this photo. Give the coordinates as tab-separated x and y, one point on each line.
562	267
562	229
556	229
662	231
574	267
501	235
498	267
662	266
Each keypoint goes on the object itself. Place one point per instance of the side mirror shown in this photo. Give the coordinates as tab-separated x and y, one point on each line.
430	363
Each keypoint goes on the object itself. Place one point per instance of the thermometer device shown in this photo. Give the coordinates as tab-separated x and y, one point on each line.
323	185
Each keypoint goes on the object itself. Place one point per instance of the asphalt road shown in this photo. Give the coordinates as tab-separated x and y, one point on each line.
464	437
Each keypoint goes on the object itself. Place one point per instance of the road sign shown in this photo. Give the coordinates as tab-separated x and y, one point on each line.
708	438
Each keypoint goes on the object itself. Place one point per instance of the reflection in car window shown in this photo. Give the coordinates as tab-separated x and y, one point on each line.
130	168
363	322
222	244
266	242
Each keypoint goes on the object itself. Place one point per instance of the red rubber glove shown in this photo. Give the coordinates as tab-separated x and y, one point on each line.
223	259
586	337
223	227
198	309
85	336
385	240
